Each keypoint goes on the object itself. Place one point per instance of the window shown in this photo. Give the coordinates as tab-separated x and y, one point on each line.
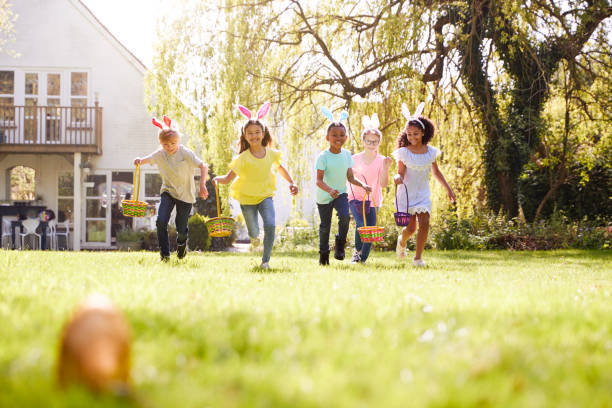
7	97
30	125
78	96
65	197
153	183
53	113
23	183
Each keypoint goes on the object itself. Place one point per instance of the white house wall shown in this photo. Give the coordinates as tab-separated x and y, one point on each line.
61	34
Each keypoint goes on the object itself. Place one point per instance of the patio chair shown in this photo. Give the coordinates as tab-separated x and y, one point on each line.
6	232
62	229
28	227
51	235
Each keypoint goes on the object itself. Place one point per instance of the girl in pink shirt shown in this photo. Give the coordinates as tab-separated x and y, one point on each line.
373	169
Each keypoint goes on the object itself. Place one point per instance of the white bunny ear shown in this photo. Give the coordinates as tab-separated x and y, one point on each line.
406	111
419	109
366	122
374	122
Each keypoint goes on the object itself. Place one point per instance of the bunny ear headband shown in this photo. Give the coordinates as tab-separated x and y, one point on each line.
370	122
416	114
261	113
330	116
165	125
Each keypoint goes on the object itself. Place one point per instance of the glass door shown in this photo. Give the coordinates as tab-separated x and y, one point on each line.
30	119
97	210
121	189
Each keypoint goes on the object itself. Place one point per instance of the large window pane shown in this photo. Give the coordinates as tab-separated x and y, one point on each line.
65	184
53	84
96	231
121	186
23	183
7	82
64	209
99	186
78	84
79	109
95	208
7	111
153	184
31	84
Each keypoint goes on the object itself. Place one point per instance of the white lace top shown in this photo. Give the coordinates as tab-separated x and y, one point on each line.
416	179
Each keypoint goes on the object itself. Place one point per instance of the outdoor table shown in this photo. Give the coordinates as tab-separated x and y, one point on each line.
43	231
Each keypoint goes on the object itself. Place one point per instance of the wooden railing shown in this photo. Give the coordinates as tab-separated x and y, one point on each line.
50	129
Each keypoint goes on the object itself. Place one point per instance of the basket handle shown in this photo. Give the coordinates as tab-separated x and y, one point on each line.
351	187
137	181
407	203
365	222
217	197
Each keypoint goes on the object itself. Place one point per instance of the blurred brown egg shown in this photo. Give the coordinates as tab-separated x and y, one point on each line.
95	347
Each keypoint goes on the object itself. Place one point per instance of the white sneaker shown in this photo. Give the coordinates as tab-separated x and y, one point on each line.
400	251
419	263
264	265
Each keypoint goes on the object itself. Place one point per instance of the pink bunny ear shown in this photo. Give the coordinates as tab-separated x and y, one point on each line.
157	123
263	111
167	120
245	112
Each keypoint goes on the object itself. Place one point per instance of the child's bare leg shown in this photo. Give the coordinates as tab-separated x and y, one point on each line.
422	234
408	230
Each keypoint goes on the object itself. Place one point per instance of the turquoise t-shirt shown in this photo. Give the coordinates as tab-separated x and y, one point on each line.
335	167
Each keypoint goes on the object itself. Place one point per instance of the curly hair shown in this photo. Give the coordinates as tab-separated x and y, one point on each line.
244	145
336	124
428	132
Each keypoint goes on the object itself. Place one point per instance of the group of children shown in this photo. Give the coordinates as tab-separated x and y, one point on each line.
337	171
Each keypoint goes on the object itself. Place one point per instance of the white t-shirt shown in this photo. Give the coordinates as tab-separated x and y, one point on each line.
177	172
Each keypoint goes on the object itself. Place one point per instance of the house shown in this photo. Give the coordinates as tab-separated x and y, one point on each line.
72	112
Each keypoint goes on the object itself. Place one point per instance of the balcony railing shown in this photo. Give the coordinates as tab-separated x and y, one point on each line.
50	129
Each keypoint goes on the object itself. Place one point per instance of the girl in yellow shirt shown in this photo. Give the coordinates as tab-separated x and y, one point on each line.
256	182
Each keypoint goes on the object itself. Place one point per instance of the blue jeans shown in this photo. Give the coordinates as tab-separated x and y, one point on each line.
266	209
362	248
325	213
183	209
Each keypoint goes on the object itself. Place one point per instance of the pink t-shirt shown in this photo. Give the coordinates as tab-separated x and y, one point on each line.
370	174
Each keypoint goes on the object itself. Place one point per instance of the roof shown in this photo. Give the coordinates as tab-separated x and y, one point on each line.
87	13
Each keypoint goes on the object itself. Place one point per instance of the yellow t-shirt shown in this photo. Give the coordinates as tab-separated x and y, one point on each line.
256	179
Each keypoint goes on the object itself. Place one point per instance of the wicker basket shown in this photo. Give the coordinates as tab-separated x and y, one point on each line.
135	208
401	218
219	226
372	233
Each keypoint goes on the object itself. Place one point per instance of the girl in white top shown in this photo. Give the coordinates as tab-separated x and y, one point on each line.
415	158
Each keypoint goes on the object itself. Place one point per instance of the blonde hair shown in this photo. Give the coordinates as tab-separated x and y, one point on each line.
167	134
375	131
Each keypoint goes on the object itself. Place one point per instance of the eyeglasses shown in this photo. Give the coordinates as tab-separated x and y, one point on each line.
371	142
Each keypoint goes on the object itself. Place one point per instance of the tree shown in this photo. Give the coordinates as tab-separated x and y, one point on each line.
502	55
7	24
485	66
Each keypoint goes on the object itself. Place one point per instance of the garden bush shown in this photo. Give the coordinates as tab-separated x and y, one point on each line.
198	233
150	242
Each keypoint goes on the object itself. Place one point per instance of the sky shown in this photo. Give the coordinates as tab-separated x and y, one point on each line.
131	21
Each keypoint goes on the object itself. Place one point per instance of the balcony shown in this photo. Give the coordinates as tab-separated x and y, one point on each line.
50	129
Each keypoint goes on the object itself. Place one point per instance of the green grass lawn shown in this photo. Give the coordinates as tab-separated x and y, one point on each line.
485	329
